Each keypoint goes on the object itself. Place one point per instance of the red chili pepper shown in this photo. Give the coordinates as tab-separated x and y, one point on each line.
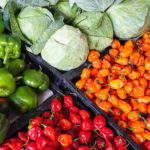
4	148
49	132
55	105
46	114
41	142
75	145
64	124
68	101
65	140
100	143
65	148
147	145
14	144
74	109
48	122
54	144
107	133
121	147
34	133
99	122
84	114
57	117
119	140
109	146
23	136
36	121
31	146
49	148
86	125
83	148
84	137
75	118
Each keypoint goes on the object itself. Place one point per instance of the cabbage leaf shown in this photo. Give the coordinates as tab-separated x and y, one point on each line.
93	5
130	18
98	28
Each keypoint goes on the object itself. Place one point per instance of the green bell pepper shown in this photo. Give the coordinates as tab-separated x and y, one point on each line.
36	79
7	83
24	99
4	106
4	127
2	27
10	47
15	66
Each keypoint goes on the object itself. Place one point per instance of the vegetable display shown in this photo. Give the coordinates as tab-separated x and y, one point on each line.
66	127
119	84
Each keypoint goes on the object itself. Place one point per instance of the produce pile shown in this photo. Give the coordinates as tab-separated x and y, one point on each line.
19	83
119	83
64	30
66	127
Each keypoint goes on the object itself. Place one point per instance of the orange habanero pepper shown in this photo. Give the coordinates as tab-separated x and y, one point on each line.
140	137
85	73
102	94
142	107
106	64
121	93
116	84
126	52
104	106
122	124
134	104
133	115
80	83
124	106
144	99
147	92
103	73
128	87
122	61
134	75
141	70
134	58
113	52
115	44
93	55
126	70
137	126
148	108
141	61
113	100
146	134
148	123
143	82
124	116
147	76
147	63
94	72
138	91
97	63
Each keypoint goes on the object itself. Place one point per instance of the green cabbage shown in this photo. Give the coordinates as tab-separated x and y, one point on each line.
33	21
66	49
68	12
130	18
98	28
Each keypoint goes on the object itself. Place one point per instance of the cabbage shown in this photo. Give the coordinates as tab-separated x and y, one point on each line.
33	21
98	28
66	49
92	5
130	18
68	12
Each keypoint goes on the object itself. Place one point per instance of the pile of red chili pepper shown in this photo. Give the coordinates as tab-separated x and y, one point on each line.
119	83
66	127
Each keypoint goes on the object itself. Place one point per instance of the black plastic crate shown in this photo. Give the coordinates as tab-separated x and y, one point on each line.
67	80
21	124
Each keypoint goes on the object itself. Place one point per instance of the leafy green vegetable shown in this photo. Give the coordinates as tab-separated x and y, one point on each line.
66	49
14	24
68	12
93	5
98	28
130	18
37	46
33	21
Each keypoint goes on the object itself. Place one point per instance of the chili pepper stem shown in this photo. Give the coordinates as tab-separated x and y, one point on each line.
52	115
44	125
8	50
18	78
140	115
95	130
26	142
111	111
76	139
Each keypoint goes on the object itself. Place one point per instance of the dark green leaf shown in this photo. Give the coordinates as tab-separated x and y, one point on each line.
14	24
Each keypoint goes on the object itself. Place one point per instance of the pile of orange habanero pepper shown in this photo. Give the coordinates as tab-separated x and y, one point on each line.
119	83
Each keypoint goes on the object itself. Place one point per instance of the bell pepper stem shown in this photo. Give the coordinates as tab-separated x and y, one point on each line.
44	125
8	50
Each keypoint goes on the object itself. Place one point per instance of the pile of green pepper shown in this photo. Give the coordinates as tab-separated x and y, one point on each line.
19	85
